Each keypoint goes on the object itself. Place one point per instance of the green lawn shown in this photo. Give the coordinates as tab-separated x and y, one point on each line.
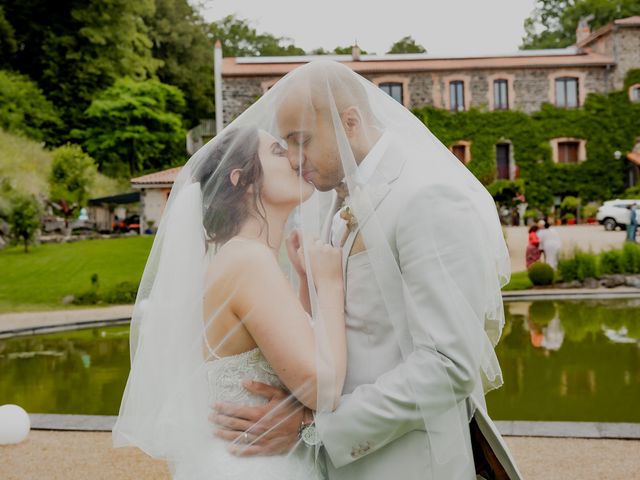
39	279
519	281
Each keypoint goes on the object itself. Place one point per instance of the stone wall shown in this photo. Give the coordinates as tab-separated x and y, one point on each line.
627	51
529	90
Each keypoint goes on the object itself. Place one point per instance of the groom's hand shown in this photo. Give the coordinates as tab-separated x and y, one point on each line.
267	429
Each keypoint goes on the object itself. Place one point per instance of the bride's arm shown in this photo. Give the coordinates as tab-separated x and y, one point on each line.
268	307
296	257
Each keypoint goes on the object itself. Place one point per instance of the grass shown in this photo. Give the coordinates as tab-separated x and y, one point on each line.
519	281
38	280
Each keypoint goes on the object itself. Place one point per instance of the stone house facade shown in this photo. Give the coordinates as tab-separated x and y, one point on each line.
524	80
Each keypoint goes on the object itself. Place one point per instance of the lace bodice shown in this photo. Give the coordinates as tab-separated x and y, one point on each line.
225	374
212	460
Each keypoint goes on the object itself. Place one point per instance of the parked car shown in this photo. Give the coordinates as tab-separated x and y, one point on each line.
127	224
615	213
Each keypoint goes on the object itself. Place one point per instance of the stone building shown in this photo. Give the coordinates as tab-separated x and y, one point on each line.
522	80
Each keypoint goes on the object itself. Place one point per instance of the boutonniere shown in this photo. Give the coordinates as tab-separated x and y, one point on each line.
346	214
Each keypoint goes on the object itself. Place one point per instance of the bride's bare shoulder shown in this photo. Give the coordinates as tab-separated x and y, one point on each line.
241	255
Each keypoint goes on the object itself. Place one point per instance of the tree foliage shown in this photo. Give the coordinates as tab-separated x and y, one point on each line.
407	45
135	126
180	40
553	23
24	109
80	47
240	39
72	175
24	219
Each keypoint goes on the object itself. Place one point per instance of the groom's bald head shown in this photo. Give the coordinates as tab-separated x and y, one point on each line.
321	105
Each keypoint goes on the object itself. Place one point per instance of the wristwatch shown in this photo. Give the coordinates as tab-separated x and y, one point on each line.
308	433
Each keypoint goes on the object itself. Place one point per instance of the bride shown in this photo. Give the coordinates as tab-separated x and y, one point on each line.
220	311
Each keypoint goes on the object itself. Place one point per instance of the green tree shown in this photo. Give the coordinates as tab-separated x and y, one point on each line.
73	173
24	219
553	23
179	38
240	39
80	47
8	44
135	126
24	108
407	45
347	51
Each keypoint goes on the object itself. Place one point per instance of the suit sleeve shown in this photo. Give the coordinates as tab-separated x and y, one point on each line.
440	271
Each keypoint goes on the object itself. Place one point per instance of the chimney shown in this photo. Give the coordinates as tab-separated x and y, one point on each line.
583	30
355	53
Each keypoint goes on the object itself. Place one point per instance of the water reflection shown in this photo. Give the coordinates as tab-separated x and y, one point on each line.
82	372
561	360
569	360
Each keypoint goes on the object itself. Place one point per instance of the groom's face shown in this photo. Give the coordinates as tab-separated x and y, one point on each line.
312	146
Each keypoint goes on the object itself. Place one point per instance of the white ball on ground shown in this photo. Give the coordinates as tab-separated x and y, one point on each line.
14	424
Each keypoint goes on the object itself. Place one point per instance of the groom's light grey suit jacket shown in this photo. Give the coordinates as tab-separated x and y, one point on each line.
375	432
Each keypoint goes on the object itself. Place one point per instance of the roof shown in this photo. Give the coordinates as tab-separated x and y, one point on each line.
121	198
621	22
372	64
629	21
163	177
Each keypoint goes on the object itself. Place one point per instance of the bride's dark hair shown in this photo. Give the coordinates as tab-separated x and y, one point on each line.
225	206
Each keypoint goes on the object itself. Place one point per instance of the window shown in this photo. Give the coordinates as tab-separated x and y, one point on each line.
500	94
456	96
459	151
503	161
567	92
635	94
394	90
462	150
568	152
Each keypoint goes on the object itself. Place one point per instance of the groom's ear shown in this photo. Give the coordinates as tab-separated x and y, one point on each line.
352	120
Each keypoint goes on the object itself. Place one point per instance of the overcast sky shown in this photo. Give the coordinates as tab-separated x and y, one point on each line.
446	27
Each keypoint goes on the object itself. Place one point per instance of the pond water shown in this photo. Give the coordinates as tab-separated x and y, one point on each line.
561	360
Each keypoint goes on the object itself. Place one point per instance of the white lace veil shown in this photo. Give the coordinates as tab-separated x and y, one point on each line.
423	225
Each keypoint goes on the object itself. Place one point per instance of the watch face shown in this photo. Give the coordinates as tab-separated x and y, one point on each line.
309	435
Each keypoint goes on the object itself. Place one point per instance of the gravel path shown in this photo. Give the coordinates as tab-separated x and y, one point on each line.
80	456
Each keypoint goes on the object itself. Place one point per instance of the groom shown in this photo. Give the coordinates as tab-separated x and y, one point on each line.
378	430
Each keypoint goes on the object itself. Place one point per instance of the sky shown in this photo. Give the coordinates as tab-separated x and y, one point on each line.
443	27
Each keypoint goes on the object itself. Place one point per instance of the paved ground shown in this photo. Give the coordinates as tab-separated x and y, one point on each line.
586	237
80	456
11	321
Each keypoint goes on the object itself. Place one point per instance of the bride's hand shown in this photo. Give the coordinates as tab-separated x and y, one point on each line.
295	251
326	264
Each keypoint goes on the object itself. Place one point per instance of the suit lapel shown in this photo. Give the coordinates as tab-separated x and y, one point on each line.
378	188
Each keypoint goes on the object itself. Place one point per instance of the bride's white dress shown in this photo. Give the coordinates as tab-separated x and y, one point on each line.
212	460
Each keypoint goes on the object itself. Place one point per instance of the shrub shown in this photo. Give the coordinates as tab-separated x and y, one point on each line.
568	269
90	297
631	258
122	293
587	265
541	273
611	262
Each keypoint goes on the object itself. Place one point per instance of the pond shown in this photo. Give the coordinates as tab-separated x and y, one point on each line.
561	360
